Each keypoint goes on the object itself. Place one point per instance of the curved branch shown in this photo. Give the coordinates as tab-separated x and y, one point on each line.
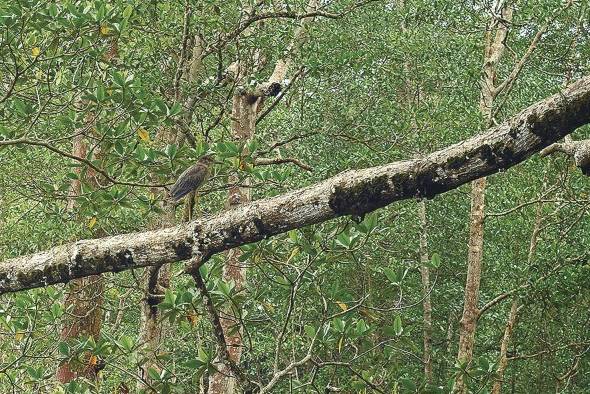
27	141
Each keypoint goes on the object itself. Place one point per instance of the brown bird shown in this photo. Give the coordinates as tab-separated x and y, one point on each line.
192	178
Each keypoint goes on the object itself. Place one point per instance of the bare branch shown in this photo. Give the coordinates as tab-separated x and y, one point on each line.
27	141
279	160
221	344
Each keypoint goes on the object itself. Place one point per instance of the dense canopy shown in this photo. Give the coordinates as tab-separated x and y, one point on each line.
338	244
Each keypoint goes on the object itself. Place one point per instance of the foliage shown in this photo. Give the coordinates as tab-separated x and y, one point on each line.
348	292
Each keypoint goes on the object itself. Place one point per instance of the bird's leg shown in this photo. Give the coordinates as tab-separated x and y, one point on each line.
190	205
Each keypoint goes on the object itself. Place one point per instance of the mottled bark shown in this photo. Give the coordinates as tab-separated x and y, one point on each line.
353	192
578	150
244	112
245	107
468	320
84	297
152	328
426	305
157	278
84	318
494	48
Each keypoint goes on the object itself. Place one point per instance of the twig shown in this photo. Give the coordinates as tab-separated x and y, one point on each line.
217	329
279	160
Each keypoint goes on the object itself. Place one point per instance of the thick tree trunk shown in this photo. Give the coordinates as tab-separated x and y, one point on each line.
84	319
426	305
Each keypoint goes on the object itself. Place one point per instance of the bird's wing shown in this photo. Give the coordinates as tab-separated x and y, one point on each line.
191	179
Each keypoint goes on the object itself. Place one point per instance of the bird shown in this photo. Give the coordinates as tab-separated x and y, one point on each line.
192	178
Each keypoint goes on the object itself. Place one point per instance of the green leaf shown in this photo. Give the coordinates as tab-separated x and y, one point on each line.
53	10
64	349
175	110
203	356
118	79
194	364
56	310
391	275
126	343
127	11
435	260
292	235
343	240
339	325
309	330
153	374
484	363
100	93
119	148
170	151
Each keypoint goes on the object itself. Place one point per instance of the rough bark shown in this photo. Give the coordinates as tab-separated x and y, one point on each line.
244	111
578	150
84	296
494	48
426	305
157	279
152	328
468	320
245	108
353	192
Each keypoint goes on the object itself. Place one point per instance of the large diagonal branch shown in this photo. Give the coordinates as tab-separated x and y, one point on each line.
352	192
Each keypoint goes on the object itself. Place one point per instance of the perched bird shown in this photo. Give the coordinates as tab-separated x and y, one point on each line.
192	178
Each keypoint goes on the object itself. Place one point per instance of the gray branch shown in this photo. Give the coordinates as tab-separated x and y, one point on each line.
578	150
353	192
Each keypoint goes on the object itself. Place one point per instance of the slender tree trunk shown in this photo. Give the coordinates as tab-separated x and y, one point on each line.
503	358
156	282
424	271
245	109
495	39
426	306
449	342
468	322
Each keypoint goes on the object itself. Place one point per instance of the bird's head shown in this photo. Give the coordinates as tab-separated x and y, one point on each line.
209	158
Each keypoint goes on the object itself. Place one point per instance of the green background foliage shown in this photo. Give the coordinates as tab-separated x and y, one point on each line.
371	93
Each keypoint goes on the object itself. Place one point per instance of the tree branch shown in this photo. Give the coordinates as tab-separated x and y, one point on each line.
281	160
353	192
221	344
